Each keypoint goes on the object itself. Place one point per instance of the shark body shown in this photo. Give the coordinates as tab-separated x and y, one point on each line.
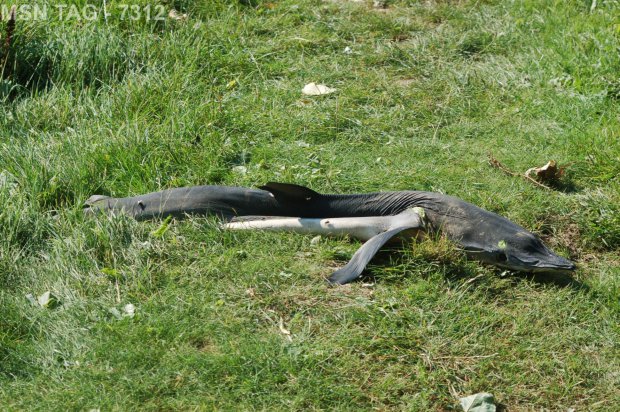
375	217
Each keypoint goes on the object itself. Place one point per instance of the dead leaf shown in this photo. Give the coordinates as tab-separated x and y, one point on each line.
175	15
32	299
379	4
497	164
116	313
130	310
48	300
313	89
548	173
480	402
241	170
285	331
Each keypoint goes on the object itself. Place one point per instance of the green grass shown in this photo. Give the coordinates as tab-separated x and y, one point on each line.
428	90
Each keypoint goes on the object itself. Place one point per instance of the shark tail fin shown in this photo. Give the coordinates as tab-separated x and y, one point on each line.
290	192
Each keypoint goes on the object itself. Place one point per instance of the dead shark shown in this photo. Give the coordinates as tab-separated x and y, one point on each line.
374	217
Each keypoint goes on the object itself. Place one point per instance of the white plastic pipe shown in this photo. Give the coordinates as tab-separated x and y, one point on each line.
362	228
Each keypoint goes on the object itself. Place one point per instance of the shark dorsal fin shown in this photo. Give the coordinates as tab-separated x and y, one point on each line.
290	191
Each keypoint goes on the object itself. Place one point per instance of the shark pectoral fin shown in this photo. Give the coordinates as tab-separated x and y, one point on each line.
364	254
289	191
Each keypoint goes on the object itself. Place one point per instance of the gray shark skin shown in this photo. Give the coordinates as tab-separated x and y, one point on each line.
483	235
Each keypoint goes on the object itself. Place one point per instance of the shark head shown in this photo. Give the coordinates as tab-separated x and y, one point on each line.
521	251
493	239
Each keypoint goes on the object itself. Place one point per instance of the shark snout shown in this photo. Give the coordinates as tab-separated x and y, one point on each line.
543	261
554	263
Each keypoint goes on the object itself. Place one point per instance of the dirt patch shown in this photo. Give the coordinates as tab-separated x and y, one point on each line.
568	236
352	290
399	38
204	344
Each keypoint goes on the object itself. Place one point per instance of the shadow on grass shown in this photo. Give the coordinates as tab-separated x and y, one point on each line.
458	270
565	185
562	280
